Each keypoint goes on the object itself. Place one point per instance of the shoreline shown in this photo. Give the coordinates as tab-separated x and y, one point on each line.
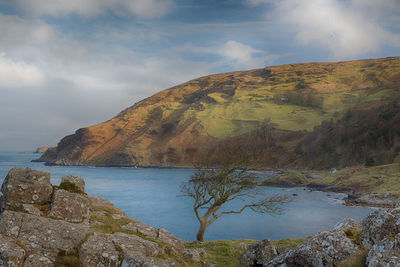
354	197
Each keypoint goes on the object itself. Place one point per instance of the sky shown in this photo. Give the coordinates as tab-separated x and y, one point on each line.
70	64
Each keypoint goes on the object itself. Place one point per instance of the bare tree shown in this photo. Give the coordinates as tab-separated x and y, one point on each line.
211	188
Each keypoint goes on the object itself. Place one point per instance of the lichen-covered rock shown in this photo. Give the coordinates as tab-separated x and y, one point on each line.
154	232
258	254
25	186
42	235
380	224
99	251
133	259
74	180
137	245
11	254
196	254
31	209
38	260
385	253
71	207
323	250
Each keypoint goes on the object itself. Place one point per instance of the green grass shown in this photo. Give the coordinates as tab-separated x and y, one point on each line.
225	253
384	179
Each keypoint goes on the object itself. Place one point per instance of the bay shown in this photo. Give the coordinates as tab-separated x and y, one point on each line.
151	195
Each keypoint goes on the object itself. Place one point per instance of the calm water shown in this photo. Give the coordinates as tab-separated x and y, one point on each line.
150	196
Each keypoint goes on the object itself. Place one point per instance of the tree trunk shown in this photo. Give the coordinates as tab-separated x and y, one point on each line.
202	230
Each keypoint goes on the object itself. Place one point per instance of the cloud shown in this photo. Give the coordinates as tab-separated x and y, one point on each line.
235	54
92	8
345	28
19	74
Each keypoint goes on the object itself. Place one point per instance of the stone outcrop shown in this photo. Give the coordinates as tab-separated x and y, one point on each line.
380	224
258	254
73	181
195	254
378	235
385	253
25	186
325	249
65	224
71	207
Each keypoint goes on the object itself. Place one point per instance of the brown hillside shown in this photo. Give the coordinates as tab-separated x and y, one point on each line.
175	125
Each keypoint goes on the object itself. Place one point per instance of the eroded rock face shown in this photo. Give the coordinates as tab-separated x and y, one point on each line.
71	207
325	249
385	253
25	186
11	254
75	180
100	251
258	254
379	225
154	232
42	235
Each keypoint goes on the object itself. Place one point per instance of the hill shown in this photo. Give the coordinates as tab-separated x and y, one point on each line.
312	115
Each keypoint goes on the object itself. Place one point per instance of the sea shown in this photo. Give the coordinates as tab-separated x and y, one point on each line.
153	196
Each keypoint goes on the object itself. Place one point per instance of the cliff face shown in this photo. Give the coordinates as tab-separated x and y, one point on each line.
176	125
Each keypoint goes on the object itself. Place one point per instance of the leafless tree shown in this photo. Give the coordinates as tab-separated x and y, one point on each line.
211	188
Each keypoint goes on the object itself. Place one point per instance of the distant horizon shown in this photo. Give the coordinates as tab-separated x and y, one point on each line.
68	65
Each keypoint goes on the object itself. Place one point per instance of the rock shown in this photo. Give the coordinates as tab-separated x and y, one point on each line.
138	260
108	250
380	224
99	250
74	180
196	254
346	223
41	149
154	232
31	209
385	253
71	207
38	260
25	186
210	265
325	249
258	254
42	235
11	254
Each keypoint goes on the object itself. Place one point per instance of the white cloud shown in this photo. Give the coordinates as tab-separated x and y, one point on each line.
235	54
345	28
93	8
19	74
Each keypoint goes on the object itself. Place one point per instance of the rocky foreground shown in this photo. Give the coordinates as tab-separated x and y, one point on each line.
46	225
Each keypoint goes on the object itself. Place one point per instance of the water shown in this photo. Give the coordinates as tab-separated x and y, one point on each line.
150	195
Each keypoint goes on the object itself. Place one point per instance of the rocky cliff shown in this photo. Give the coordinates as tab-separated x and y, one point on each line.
314	115
46	225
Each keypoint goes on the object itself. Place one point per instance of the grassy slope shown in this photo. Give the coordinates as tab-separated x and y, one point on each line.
173	125
383	179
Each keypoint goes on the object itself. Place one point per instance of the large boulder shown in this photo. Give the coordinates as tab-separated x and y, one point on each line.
326	249
25	186
73	182
385	253
71	207
42	235
258	254
111	249
379	225
11	254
